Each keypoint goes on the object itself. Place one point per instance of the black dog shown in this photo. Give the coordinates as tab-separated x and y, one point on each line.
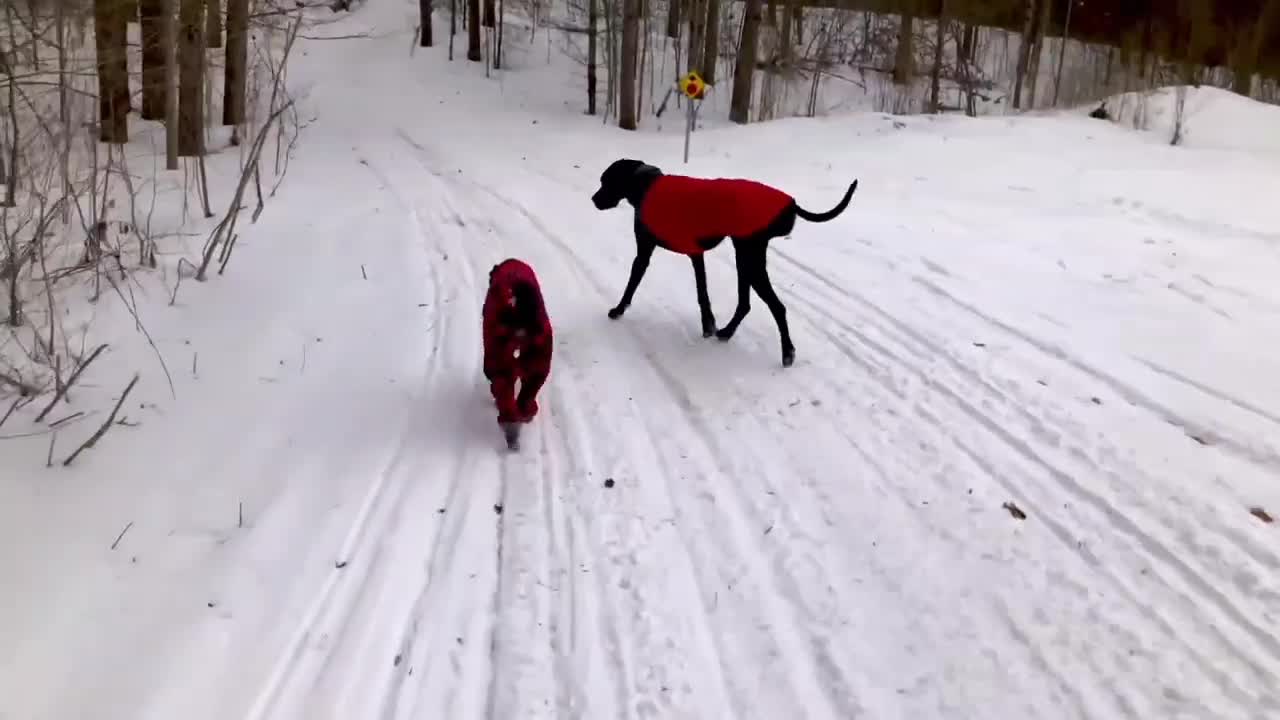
690	215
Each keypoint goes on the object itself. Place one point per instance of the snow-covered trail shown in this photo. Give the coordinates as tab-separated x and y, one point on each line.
786	542
825	541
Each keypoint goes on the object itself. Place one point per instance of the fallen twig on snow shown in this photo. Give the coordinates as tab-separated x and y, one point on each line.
121	535
111	420
65	387
1015	511
11	410
67	419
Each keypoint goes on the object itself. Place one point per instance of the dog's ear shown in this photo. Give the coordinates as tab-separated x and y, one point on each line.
619	171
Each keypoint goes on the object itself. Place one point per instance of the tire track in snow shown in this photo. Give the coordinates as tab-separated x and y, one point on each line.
1265	456
578	269
577	449
506	646
1035	654
1065	537
1212	392
433	599
640	701
1150	546
502	694
826	682
337	598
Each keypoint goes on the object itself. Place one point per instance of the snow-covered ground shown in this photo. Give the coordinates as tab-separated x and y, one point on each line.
1055	313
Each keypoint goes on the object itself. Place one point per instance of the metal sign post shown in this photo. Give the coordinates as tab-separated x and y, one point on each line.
688	130
694	88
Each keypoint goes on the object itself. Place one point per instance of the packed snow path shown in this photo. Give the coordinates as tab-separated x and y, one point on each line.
826	541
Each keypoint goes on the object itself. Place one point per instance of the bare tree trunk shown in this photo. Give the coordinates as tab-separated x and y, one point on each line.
630	48
673	19
646	35
1037	52
964	57
151	30
711	42
424	29
1106	77
1024	53
64	107
593	22
236	74
110	27
611	57
745	64
171	115
453	25
497	51
1250	48
935	76
191	79
697	28
213	24
1062	54
904	61
786	33
11	179
797	20
34	9
487	20
473	30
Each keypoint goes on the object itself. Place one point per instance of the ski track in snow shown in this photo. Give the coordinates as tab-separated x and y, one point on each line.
1253	644
815	674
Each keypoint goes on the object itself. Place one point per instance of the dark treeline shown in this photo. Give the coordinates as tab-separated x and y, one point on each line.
1243	35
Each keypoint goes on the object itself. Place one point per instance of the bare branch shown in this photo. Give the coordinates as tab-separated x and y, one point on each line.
111	419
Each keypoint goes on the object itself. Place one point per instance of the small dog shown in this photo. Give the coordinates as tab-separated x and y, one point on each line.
689	215
517	343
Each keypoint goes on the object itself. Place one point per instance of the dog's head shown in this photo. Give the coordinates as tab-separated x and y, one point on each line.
619	181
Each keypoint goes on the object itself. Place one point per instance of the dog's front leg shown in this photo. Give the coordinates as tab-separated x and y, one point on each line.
744	259
644	251
704	300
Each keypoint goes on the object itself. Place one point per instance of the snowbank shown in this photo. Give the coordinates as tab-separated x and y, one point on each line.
1212	118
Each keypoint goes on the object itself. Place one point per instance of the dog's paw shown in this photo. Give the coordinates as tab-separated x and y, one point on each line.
724	334
616	312
788	358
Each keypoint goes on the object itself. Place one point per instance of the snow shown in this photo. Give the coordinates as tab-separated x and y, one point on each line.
1050	311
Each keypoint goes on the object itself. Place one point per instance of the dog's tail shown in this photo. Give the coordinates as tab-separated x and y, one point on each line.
831	214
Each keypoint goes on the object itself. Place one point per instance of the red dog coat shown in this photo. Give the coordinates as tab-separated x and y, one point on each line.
682	210
517	340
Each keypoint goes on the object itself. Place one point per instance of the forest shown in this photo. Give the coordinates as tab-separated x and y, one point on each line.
1113	46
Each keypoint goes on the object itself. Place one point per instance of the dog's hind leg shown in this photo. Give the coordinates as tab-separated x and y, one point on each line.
743	258
704	300
764	288
644	251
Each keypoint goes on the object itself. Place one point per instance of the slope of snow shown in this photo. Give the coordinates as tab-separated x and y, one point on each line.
1213	118
1048	312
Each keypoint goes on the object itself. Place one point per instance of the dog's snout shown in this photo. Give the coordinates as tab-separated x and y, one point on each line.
602	201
